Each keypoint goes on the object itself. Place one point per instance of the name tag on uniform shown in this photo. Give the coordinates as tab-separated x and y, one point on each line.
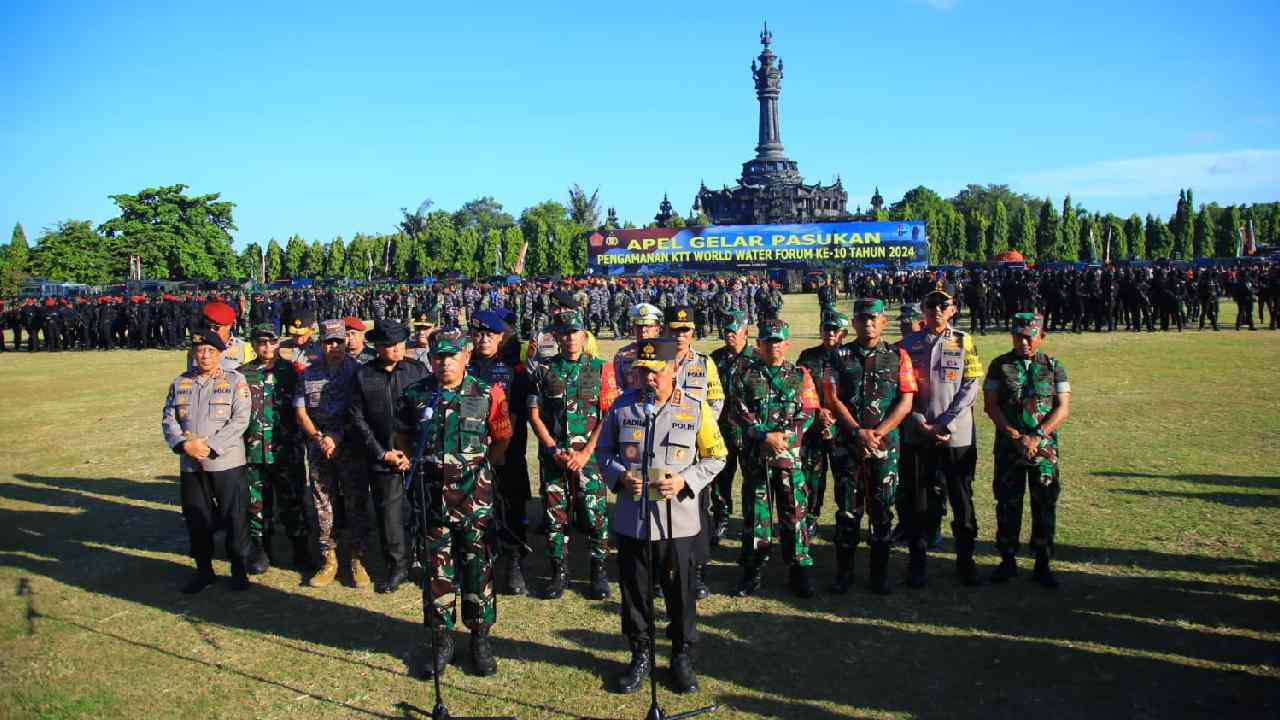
952	360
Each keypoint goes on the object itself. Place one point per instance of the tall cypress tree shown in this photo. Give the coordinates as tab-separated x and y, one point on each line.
998	234
1202	237
1048	232
1069	242
1023	237
1135	236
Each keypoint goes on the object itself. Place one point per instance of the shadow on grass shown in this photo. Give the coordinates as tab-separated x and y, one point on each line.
1230	499
1266	482
1101	646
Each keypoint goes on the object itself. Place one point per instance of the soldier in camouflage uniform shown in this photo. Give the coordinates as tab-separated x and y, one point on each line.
869	396
821	361
730	359
274	468
1027	396
569	394
321	404
457	429
774	402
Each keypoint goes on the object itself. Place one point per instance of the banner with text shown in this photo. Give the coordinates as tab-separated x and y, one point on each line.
730	247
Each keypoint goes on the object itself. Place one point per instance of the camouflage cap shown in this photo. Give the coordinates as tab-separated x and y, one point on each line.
734	320
774	329
868	306
655	353
263	331
910	312
567	321
1029	324
448	342
837	320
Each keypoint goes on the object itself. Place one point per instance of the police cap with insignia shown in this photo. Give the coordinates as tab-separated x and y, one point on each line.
655	353
645	314
868	306
448	342
941	290
302	321
774	329
679	317
387	332
264	331
204	335
488	321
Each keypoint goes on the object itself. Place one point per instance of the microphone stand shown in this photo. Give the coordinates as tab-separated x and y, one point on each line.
655	710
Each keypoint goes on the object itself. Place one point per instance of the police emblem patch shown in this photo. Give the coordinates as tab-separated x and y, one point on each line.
631	453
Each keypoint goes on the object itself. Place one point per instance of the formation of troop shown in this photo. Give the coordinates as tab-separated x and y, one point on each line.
636	453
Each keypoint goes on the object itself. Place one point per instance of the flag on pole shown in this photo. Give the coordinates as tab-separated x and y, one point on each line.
519	268
1106	254
1239	239
1251	245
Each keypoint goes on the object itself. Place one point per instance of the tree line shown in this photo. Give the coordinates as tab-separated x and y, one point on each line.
182	237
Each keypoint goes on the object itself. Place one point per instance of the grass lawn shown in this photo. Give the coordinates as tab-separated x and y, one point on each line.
1168	551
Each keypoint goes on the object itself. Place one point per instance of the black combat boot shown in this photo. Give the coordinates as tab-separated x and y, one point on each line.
751	579
239	575
1007	570
844	571
559	578
1042	573
682	670
203	578
482	660
638	670
515	573
966	568
599	589
394	579
266	545
302	553
801	581
700	589
879	580
443	656
257	562
917	576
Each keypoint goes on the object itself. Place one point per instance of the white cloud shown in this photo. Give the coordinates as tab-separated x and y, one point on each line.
1237	172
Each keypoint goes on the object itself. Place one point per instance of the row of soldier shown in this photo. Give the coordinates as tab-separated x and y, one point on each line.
887	419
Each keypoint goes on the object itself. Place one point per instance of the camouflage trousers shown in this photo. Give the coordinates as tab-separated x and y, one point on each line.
789	495
330	481
584	494
275	489
1011	482
863	485
814	454
457	541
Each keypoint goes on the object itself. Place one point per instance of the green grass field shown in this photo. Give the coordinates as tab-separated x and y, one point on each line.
1168	550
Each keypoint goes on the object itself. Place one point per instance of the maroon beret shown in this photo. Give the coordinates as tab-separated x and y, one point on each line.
219	313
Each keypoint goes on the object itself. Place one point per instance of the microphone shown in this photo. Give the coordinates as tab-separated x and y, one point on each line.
650	398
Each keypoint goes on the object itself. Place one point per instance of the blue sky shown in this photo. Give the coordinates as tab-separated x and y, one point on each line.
324	120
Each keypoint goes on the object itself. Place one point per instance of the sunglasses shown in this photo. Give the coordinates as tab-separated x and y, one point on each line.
937	305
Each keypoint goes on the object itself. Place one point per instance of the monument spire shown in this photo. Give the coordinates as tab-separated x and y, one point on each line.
768	80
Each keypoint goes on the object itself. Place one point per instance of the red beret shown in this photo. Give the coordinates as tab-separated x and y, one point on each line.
220	313
354	323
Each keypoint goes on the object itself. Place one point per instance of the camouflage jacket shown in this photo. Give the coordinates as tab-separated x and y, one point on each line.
823	364
273	427
766	399
1025	391
869	380
452	430
572	397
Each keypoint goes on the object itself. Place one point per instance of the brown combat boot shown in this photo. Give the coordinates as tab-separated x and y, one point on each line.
359	576
327	572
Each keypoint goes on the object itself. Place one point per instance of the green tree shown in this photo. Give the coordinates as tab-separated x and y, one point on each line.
1203	234
73	251
513	240
998	233
1226	240
15	261
487	256
275	261
583	209
177	236
335	259
1113	229
483	213
1048	232
1088	249
1023	233
359	256
464	255
1159	238
251	262
1069	237
975	236
313	264
539	225
1135	237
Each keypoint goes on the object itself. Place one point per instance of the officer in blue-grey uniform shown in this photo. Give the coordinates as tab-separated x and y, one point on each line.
674	436
204	419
